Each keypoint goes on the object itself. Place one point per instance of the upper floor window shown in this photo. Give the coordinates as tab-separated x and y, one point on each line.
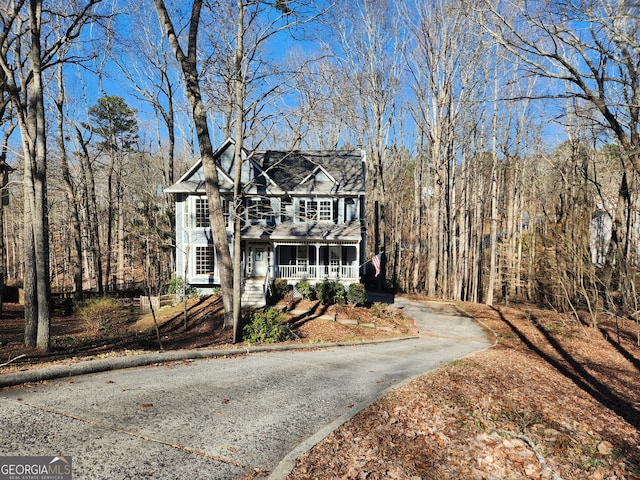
286	209
202	213
308	210
317	210
259	210
325	211
226	211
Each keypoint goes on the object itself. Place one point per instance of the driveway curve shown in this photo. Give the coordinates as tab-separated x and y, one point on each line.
223	418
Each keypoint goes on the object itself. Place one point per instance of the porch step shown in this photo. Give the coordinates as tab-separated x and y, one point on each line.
252	294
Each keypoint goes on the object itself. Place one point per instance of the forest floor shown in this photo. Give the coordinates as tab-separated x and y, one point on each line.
555	398
125	332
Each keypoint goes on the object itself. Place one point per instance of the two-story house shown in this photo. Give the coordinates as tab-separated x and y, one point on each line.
303	217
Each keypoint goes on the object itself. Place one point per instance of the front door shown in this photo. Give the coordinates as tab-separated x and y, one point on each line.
258	259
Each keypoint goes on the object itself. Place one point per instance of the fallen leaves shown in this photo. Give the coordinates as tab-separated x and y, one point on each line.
553	400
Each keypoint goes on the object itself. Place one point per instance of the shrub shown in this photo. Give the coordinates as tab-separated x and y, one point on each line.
306	290
98	314
378	309
330	292
339	293
280	288
265	327
325	292
357	294
177	286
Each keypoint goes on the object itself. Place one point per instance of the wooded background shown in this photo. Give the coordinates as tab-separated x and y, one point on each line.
502	138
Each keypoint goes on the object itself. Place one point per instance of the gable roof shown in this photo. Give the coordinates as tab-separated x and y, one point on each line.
193	179
294	172
298	171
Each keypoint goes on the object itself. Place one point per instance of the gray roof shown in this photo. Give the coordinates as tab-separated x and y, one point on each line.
294	172
289	169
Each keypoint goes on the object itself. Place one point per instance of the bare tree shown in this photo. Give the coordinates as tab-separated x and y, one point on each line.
146	61
444	82
9	127
371	44
188	63
27	48
69	188
591	50
92	214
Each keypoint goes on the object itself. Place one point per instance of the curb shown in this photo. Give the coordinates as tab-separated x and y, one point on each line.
119	363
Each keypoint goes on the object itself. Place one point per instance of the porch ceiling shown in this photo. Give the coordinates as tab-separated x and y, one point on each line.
287	231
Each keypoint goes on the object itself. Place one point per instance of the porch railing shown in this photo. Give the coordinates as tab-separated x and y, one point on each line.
317	272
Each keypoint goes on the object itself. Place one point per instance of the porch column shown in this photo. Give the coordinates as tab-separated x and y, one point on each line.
275	260
317	261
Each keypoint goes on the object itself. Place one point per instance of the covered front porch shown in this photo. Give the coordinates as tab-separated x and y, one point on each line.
316	262
312	252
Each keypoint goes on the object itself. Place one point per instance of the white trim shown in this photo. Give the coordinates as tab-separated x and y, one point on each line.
315	172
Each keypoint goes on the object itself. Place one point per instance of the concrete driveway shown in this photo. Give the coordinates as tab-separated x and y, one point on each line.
227	417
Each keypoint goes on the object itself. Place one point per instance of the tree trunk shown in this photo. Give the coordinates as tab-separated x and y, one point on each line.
493	233
188	65
28	255
4	197
70	191
239	88
120	282
110	220
92	211
41	226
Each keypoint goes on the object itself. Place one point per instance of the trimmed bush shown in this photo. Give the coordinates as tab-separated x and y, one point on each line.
265	327
280	288
339	293
306	290
357	294
330	292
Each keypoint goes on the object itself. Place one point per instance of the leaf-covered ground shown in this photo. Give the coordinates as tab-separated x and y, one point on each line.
554	399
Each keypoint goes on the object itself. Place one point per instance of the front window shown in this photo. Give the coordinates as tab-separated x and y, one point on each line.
205	260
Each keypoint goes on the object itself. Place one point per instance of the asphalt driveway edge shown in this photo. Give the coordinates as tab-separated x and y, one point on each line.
132	361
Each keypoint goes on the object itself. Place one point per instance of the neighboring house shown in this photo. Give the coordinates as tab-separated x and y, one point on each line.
303	218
